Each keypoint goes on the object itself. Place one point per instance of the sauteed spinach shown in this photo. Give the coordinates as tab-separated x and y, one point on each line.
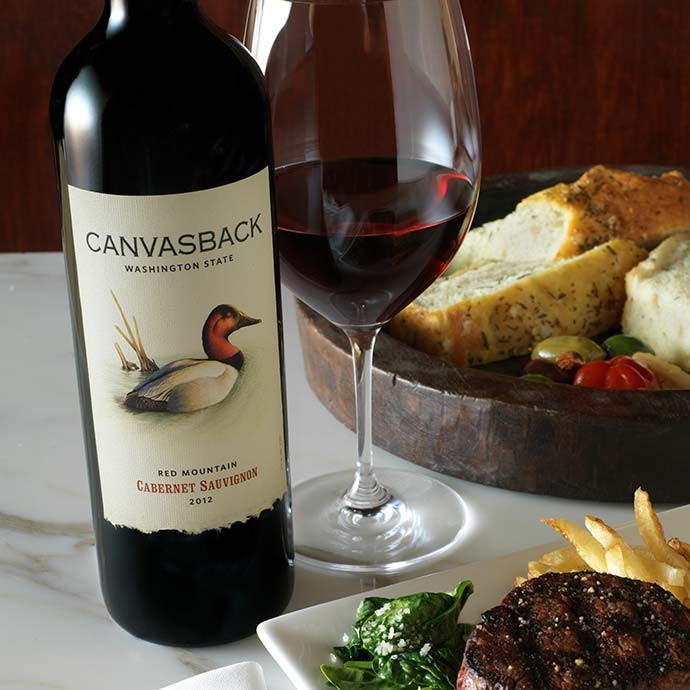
413	642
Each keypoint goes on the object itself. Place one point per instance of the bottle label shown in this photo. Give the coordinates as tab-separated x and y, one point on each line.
180	324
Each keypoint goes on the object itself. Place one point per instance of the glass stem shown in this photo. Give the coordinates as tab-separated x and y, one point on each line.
365	494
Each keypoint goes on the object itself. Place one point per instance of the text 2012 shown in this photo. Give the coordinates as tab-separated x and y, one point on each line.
200	501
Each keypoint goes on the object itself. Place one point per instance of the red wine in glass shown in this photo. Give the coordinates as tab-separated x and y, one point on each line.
359	239
378	158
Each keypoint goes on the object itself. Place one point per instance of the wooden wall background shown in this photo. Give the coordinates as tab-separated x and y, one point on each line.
561	82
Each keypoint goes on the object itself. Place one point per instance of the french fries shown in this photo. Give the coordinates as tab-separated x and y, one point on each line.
624	556
564	559
588	548
615	561
681	547
652	532
602	549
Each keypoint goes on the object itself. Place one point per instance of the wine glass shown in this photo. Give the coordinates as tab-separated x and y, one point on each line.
377	151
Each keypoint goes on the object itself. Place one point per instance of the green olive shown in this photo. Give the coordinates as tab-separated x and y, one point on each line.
625	345
551	348
536	378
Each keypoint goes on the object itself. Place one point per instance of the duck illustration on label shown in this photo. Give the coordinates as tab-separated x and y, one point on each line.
187	385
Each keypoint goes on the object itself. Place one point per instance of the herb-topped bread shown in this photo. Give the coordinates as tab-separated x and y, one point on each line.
658	306
568	219
501	309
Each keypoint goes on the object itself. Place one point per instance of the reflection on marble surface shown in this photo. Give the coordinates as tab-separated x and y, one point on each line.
54	630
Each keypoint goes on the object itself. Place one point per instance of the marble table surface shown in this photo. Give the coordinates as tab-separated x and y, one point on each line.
54	630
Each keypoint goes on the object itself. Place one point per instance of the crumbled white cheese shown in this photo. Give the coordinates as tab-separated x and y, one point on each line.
425	650
385	648
386	607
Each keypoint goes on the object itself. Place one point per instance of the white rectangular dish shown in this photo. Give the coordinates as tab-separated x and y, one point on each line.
301	641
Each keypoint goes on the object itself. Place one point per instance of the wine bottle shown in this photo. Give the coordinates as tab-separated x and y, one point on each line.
164	164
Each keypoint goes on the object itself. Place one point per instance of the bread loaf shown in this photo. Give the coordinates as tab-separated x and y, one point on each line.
658	307
568	219
497	309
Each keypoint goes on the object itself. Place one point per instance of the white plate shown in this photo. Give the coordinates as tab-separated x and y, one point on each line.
301	641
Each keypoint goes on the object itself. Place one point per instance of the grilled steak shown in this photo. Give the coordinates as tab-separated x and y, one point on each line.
581	631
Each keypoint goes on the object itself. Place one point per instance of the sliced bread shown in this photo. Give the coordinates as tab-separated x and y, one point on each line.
658	307
568	219
497	310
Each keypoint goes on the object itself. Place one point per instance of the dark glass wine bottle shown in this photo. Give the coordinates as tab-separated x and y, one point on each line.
165	173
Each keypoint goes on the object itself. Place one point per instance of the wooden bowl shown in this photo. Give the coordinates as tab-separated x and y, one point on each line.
498	430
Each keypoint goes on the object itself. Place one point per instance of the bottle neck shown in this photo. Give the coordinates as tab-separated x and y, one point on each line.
119	13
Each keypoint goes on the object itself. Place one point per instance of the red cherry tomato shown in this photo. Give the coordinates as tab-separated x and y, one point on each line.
622	373
592	375
628	373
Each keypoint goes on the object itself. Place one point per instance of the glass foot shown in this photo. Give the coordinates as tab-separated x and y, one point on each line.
422	520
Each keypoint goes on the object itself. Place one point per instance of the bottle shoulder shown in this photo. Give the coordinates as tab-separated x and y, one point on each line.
197	61
137	112
72	64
